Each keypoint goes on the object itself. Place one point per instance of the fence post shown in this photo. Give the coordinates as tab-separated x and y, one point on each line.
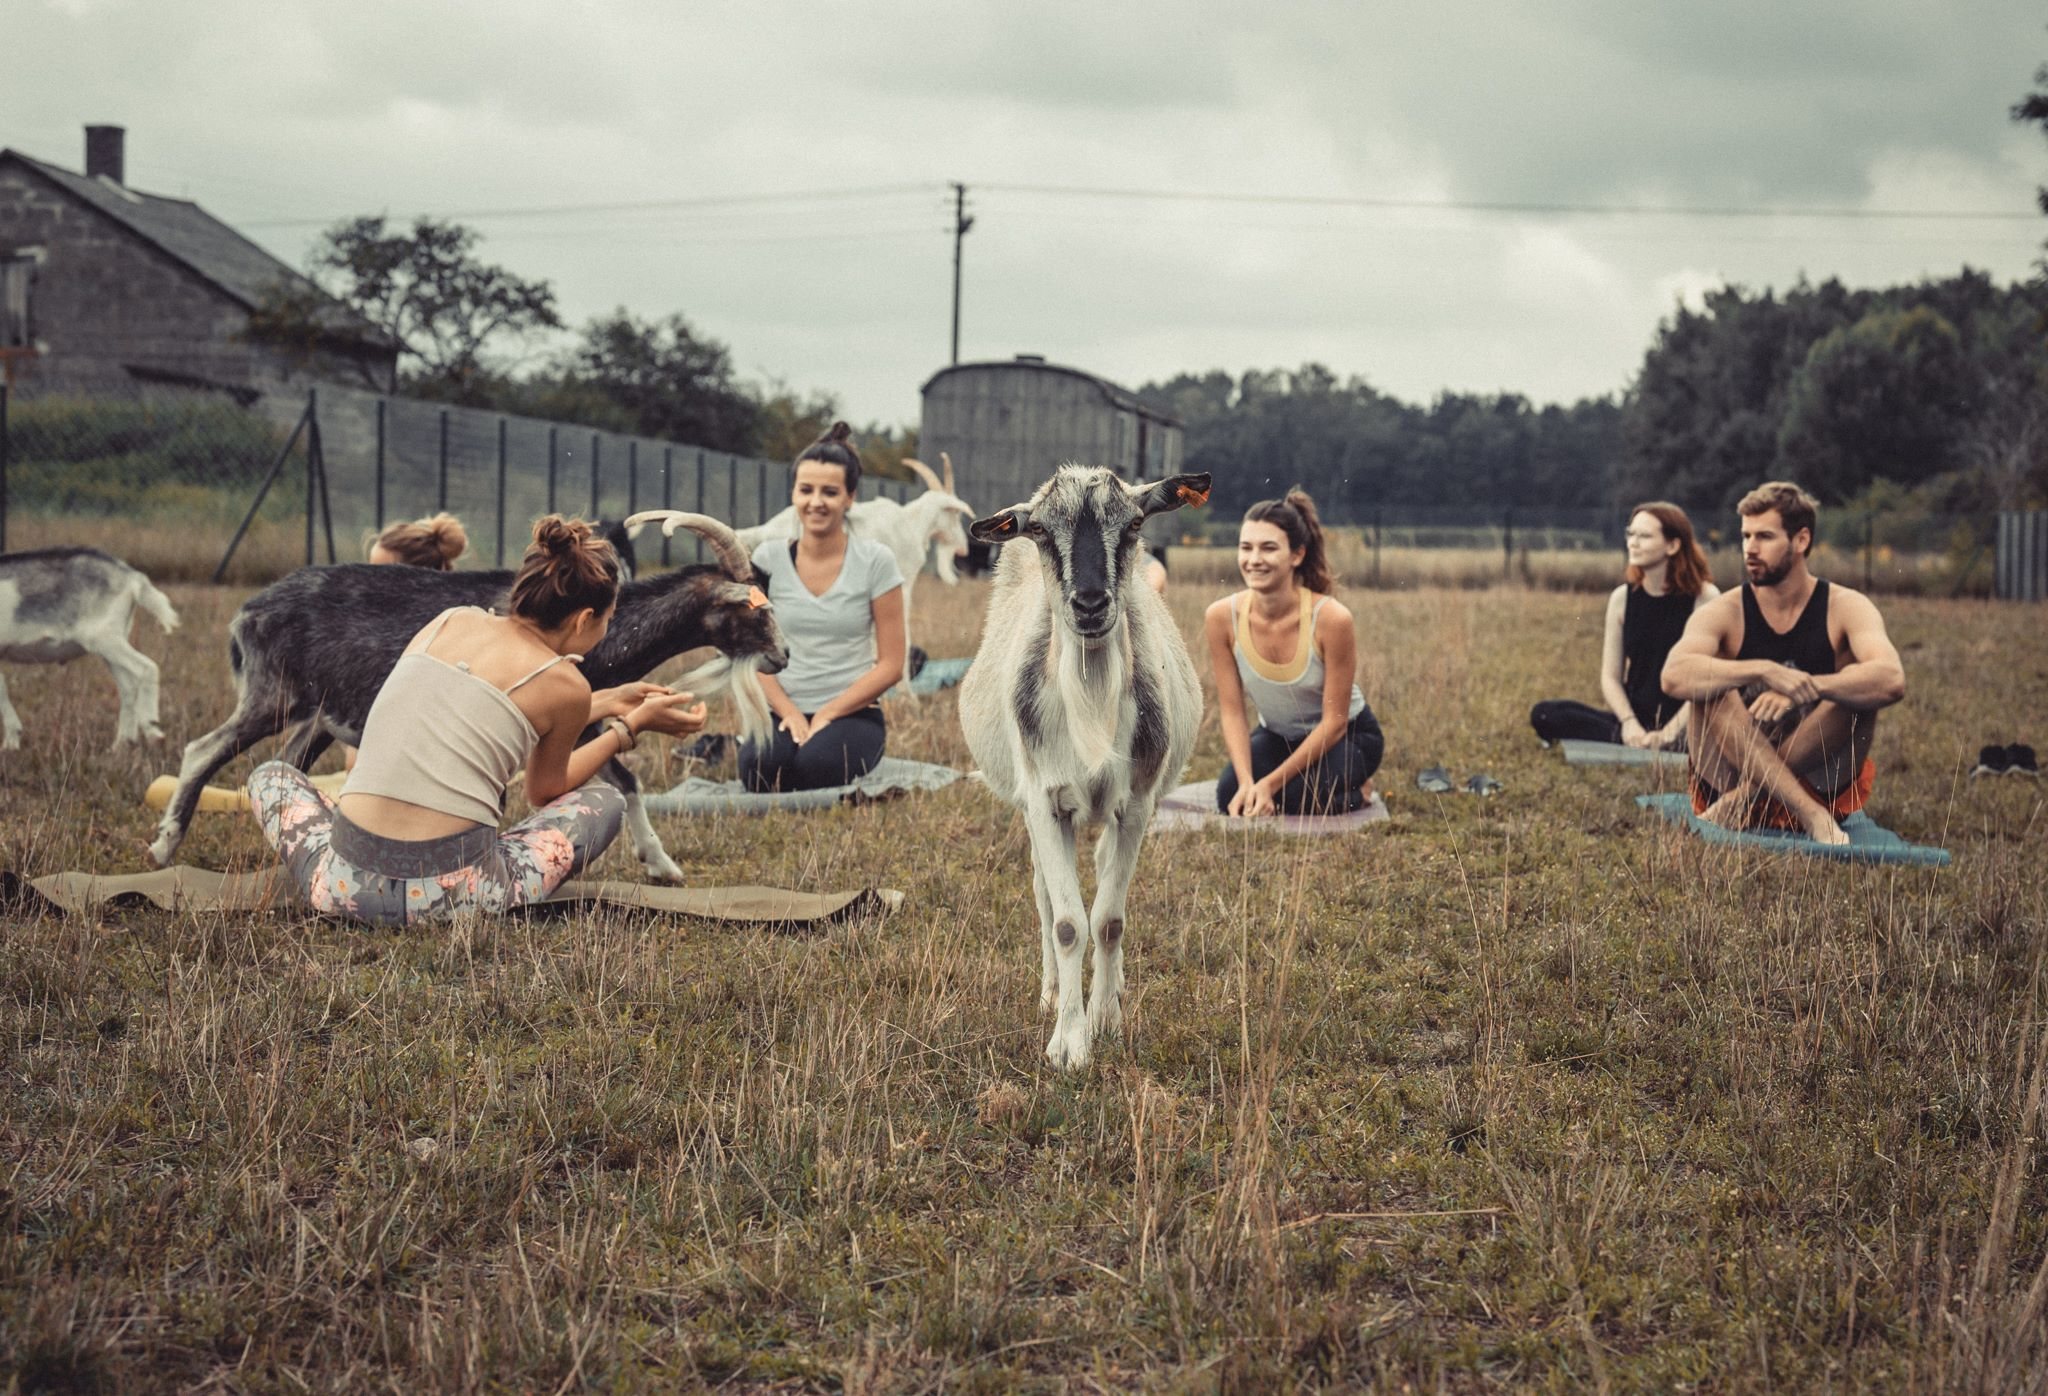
732	489
441	496
1507	537
697	505
596	456
316	451
3	467
633	477
1869	537
382	403
500	562
551	469
668	498
276	469
761	495
1378	518
311	466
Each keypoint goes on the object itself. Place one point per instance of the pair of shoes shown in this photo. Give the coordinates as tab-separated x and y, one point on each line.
711	748
2015	760
1435	780
914	662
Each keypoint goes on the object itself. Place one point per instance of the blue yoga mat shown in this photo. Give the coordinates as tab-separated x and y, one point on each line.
1869	842
938	674
892	776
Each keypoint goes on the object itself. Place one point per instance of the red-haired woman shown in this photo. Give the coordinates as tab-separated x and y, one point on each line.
1667	580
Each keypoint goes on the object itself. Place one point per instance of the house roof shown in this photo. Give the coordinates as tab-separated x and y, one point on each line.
189	234
1118	397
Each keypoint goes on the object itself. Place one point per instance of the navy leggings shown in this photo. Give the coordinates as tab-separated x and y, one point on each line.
1556	719
845	751
1331	783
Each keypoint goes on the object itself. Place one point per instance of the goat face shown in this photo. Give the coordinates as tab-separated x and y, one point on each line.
743	625
949	540
1085	522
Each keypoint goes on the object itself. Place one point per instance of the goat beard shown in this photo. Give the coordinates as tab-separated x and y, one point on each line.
1091	680
741	678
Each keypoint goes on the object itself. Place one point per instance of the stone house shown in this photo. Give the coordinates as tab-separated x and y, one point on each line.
102	285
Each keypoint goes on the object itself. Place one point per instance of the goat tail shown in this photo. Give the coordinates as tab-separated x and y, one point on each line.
739	677
156	603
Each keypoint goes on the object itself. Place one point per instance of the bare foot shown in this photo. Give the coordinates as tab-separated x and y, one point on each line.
1822	828
1731	811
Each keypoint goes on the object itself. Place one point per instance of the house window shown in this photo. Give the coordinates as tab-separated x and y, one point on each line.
17	275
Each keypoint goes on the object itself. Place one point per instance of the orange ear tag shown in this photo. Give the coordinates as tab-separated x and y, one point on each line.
1006	525
756	598
1190	495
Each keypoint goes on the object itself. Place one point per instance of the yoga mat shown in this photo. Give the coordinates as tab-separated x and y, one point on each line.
1193	806
1869	842
938	674
184	888
1583	753
891	776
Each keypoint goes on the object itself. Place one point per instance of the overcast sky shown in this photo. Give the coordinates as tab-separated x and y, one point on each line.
280	116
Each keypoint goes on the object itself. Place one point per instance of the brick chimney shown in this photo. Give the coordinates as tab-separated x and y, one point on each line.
105	153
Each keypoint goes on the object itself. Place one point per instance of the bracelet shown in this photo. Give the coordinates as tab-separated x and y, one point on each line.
623	730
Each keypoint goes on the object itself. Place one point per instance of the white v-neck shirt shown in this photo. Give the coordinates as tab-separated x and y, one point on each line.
831	637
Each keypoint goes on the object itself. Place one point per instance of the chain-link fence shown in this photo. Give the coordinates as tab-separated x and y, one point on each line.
175	479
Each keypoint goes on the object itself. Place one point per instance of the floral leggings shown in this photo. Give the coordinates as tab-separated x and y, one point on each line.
343	870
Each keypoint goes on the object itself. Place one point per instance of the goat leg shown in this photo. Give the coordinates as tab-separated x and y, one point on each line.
646	843
1052	849
205	755
10	721
1116	859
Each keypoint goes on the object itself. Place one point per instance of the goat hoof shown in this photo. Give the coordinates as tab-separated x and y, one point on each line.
161	852
664	869
1068	1050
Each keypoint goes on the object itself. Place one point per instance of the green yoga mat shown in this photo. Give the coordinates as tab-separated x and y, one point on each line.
1869	841
1583	753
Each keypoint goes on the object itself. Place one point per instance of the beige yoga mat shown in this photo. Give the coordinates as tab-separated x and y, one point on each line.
185	888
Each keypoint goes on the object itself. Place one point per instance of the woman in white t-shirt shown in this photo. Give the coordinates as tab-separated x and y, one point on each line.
839	600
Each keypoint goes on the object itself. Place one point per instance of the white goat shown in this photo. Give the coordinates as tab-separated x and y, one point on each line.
60	603
1081	705
931	527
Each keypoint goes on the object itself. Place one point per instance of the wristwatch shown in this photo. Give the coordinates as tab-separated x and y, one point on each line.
624	729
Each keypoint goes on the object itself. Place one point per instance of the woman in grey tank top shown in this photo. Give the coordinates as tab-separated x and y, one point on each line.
1291	648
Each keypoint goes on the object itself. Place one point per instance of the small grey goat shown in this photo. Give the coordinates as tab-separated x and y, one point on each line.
310	652
1081	705
60	603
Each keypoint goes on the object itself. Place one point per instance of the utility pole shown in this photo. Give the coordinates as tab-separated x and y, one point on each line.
961	223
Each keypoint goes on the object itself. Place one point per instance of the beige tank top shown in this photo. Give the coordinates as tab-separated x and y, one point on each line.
441	738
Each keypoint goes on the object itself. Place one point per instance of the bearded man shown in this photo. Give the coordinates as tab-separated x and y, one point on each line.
1783	681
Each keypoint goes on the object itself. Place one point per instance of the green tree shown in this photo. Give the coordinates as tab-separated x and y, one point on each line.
426	288
662	379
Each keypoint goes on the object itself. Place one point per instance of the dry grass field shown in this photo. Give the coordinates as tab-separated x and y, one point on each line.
1526	1093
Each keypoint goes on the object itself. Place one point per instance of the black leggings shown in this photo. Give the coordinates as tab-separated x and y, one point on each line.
1560	718
845	751
1330	784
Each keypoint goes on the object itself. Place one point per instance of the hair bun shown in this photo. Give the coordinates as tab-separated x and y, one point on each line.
838	431
560	536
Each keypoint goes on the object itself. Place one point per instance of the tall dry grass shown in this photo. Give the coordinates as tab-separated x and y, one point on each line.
1520	1094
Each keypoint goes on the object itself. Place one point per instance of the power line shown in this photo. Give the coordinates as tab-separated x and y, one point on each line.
1502	206
645	206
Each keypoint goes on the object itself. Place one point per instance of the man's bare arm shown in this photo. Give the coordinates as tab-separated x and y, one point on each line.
1873	678
1695	671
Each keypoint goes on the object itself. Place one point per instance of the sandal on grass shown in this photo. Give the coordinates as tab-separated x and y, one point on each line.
1433	780
1992	761
1482	784
2020	760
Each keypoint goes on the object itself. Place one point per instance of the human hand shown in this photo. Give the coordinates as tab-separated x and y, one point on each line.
799	730
819	722
1791	683
670	713
617	702
1632	733
1259	799
1769	706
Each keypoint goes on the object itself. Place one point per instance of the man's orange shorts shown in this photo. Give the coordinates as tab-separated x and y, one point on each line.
1772	814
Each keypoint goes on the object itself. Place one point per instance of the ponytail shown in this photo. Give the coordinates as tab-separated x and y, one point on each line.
567	568
433	543
1296	517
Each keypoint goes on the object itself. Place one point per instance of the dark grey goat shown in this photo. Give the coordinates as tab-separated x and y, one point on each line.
312	650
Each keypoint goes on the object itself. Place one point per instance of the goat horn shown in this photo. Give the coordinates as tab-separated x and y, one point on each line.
924	473
732	556
946	463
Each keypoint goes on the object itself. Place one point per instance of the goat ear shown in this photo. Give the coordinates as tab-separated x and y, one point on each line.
1001	527
1173	492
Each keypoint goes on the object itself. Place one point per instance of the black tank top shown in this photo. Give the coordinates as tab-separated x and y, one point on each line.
1650	626
1804	647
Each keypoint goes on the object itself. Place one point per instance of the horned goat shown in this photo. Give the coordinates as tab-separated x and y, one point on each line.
312	650
931	528
1081	705
60	603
